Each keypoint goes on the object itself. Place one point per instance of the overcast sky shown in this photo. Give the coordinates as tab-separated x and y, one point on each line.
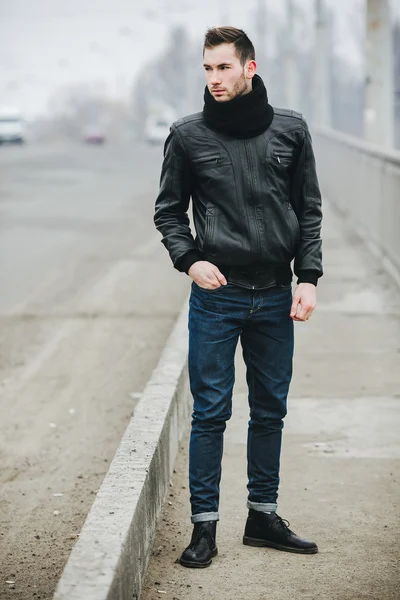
45	44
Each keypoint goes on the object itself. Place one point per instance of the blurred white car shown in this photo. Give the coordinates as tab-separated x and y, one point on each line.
12	126
156	130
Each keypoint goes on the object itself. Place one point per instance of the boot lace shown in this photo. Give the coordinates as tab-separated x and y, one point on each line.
282	523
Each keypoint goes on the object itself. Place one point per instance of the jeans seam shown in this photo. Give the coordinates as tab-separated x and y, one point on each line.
251	397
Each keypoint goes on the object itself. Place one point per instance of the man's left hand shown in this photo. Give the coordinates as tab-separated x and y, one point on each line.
304	302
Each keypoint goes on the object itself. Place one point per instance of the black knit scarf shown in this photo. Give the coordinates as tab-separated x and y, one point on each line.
243	117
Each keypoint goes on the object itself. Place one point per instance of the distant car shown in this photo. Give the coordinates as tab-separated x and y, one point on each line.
157	130
12	127
94	137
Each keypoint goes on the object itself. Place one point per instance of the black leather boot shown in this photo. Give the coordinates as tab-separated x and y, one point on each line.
202	546
268	529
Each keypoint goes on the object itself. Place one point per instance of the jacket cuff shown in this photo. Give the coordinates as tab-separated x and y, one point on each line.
187	260
308	276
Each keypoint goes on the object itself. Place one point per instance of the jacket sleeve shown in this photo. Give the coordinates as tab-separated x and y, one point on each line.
308	258
172	204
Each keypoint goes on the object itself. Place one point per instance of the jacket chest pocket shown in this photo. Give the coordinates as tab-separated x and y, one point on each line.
213	176
209	160
278	166
281	158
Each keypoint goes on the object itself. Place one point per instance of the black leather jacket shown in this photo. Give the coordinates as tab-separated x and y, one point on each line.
256	202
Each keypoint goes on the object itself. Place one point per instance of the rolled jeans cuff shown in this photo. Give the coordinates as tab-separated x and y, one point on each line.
210	516
262	507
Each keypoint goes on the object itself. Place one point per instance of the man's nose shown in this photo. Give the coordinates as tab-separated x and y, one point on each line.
215	79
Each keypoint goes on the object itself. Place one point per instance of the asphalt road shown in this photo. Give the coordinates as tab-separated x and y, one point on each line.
88	297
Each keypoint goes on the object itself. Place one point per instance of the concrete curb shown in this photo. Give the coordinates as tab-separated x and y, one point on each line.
109	560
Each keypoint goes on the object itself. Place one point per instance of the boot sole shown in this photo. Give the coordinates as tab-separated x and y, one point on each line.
247	541
194	565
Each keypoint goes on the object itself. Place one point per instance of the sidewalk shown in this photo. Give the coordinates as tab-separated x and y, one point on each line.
341	453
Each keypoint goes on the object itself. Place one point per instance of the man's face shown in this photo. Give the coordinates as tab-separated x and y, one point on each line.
225	75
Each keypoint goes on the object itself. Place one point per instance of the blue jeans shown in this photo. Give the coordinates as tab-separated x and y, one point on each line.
217	318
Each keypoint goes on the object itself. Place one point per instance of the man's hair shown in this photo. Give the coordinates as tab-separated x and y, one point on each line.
230	35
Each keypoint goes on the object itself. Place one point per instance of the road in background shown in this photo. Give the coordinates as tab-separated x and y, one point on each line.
88	297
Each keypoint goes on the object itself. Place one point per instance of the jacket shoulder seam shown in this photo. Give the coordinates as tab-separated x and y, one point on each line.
285	112
179	139
188	119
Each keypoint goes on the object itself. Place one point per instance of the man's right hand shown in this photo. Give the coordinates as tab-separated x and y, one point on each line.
206	275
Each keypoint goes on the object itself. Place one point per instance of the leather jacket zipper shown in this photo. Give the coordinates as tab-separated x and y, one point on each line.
206	159
282	156
250	165
252	188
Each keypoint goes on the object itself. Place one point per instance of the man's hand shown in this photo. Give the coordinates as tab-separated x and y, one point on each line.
206	275
304	302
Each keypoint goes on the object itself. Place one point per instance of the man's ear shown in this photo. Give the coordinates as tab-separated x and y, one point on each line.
250	69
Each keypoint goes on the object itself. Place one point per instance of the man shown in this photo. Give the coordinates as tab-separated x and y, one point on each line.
250	172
